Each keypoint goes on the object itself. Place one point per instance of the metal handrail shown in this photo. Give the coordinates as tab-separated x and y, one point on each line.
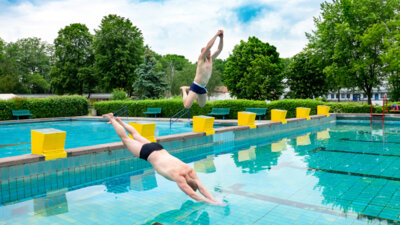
384	108
120	110
126	113
173	117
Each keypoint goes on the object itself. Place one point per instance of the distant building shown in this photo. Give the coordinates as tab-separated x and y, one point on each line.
7	96
359	96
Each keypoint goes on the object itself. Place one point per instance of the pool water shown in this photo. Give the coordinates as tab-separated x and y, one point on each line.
340	174
15	138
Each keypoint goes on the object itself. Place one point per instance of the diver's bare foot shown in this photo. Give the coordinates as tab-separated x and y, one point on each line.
184	88
108	116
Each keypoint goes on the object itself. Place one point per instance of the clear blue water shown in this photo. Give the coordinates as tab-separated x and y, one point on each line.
15	138
344	174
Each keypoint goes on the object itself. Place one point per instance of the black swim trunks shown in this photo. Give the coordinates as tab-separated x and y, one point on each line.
148	148
198	89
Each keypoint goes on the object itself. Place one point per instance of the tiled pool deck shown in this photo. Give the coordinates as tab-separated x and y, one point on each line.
30	175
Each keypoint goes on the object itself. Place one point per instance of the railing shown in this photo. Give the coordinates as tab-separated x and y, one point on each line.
384	109
177	114
125	112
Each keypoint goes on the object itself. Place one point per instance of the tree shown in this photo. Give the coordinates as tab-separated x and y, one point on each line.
219	66
9	80
33	57
73	68
173	64
392	58
254	71
305	77
37	84
1	56
183	77
149	84
118	52
9	84
24	58
349	39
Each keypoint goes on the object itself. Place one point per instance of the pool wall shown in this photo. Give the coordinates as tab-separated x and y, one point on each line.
29	175
363	118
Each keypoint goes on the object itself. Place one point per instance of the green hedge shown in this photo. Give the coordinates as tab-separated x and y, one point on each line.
45	107
172	106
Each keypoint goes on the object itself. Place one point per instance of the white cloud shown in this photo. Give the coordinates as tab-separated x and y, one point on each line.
171	26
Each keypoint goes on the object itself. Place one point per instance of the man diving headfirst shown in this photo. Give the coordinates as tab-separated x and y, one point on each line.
164	163
197	89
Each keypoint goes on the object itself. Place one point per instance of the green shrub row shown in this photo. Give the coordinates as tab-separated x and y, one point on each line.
172	106
59	106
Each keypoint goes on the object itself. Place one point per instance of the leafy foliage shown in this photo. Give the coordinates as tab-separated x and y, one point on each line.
349	37
118	52
392	58
172	65
46	107
149	84
254	71
118	94
37	83
25	66
305	77
73	68
184	77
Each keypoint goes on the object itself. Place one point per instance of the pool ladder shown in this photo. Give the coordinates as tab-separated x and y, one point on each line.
382	115
180	114
125	112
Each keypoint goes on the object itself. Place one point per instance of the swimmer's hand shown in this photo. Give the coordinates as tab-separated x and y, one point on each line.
222	204
220	33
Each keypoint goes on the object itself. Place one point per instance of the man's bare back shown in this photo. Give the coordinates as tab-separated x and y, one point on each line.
197	89
169	166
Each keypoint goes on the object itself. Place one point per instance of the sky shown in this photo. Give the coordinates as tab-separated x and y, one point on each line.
180	27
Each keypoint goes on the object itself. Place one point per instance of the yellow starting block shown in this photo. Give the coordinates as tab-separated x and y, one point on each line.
278	115
247	119
48	142
323	110
303	113
203	124
147	130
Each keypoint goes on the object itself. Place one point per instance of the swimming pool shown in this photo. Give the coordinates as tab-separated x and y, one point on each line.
337	173
15	138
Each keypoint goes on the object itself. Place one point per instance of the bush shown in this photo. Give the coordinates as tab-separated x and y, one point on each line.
172	106
348	107
118	94
45	107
